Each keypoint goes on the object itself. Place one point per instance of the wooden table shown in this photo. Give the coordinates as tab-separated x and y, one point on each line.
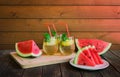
9	68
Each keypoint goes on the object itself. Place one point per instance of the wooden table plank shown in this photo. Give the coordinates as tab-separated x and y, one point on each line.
113	60
38	36
4	61
117	53
69	71
91	73
9	68
13	70
110	72
60	2
38	25
51	71
59	12
33	72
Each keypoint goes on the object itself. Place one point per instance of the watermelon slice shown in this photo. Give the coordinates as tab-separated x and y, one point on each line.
95	55
82	58
27	49
87	56
101	46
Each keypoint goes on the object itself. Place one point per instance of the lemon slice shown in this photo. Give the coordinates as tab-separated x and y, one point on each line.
67	42
61	49
44	49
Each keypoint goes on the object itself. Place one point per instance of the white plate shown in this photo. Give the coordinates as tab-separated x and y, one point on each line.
97	67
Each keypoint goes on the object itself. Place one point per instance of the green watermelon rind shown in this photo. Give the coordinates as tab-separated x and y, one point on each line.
26	55
77	54
77	45
21	54
106	49
100	53
76	57
36	55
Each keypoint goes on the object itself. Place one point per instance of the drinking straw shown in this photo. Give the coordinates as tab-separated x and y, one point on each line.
49	29
53	25
66	26
67	30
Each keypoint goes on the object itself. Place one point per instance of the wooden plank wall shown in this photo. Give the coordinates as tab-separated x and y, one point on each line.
24	19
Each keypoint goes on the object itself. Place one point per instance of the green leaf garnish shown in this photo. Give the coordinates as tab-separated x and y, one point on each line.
64	37
47	37
53	33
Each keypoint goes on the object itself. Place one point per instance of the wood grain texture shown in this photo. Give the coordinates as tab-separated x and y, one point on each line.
24	19
17	72
6	60
36	72
60	12
13	37
8	68
66	70
113	60
74	24
52	71
91	73
115	47
116	53
107	72
7	46
60	2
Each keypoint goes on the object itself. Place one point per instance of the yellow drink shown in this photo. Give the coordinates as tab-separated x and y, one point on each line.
67	47
51	47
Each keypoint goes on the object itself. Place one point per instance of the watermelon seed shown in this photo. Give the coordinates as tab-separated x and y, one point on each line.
89	57
84	63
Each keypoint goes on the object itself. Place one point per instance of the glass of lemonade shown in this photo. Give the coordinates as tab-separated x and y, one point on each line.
50	47
67	45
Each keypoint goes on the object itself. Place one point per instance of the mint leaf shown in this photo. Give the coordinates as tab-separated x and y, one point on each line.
64	37
47	37
53	33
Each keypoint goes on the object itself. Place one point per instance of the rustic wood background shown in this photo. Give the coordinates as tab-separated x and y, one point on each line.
24	19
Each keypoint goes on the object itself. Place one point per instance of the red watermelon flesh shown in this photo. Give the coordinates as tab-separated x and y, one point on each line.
89	55
84	60
97	58
25	47
101	46
94	57
28	48
35	48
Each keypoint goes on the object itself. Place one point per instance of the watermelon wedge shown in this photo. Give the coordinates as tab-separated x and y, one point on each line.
87	56
82	59
27	49
87	52
101	46
95	55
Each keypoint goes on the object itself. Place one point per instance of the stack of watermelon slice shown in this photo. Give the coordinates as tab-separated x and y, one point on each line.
89	51
88	56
